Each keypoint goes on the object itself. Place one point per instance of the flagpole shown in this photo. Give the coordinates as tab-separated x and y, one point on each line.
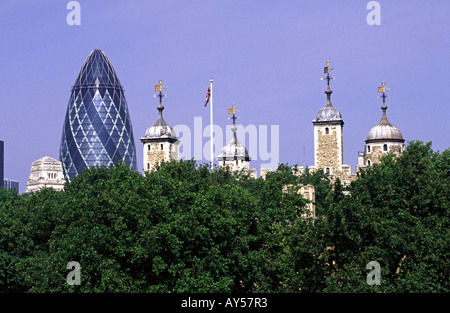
211	127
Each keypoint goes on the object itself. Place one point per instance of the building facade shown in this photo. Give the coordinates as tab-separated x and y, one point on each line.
97	128
45	172
9	184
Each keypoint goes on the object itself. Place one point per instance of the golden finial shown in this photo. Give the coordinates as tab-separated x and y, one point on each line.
383	87
383	90
159	88
327	69
233	111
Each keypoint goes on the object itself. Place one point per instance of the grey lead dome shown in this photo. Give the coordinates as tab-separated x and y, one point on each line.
384	130
160	129
328	112
234	150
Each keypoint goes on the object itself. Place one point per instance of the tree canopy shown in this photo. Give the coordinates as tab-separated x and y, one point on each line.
184	228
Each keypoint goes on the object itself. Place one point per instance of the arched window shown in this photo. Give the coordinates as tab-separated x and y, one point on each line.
368	162
327	130
327	170
385	148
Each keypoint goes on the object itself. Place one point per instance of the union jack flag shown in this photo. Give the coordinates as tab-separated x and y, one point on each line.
208	95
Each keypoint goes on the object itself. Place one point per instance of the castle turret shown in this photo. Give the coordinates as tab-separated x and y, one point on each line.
383	137
234	154
160	140
328	136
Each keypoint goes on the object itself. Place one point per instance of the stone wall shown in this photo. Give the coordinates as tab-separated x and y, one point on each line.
377	151
328	151
156	155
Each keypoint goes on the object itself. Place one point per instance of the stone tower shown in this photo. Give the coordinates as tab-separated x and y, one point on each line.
234	155
383	138
328	137
160	142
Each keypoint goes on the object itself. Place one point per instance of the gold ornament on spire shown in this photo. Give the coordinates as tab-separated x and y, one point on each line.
327	69
159	88
233	111
383	90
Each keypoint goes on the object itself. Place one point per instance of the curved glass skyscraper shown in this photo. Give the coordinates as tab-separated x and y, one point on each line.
97	128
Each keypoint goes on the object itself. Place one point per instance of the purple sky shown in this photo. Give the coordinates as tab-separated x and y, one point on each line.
266	56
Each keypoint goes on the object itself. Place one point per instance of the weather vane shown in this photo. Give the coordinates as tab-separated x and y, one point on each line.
326	70
383	90
233	111
159	88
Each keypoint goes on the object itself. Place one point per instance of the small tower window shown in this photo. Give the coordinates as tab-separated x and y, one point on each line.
385	148
148	166
368	162
368	148
162	147
327	130
327	170
149	147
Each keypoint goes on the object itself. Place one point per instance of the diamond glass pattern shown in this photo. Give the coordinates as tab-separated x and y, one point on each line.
97	128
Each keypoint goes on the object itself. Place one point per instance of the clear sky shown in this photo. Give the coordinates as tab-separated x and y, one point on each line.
266	56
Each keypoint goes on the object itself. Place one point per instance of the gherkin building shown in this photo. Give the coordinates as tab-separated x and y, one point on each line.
97	128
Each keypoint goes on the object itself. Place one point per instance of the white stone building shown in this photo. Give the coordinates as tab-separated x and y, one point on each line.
45	172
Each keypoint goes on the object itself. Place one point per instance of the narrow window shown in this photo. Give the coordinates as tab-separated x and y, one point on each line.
385	147
327	131
327	170
368	148
368	162
148	165
149	147
161	146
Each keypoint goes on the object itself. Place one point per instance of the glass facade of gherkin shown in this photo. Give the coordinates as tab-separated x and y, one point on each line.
97	128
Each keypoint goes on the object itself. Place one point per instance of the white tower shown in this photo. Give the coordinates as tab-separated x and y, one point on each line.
160	140
328	137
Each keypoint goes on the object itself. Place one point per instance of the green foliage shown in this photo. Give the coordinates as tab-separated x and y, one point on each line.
183	228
